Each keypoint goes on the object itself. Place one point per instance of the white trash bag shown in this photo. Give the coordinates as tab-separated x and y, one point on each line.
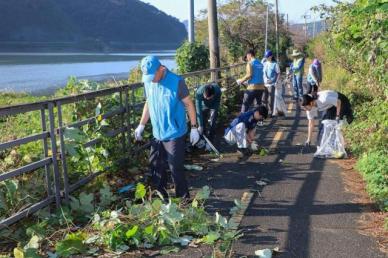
332	143
279	104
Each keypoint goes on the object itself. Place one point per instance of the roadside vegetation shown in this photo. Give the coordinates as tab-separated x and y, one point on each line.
354	52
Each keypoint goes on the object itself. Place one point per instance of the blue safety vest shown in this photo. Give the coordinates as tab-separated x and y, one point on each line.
270	71
167	111
257	72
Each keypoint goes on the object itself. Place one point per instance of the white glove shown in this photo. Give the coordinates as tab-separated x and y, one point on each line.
138	132
200	130
239	81
194	136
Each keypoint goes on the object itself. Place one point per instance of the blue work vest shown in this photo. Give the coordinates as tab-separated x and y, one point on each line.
167	111
257	72
270	71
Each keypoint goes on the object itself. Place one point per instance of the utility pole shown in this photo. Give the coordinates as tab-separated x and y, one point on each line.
276	30
266	29
313	28
191	21
305	17
213	38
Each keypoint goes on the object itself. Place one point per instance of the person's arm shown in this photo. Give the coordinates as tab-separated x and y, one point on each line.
145	115
251	135
338	109
310	131
190	110
198	107
249	72
312	73
217	99
278	72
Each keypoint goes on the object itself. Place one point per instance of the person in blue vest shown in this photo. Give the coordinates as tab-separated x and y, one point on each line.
207	103
297	69
167	97
255	81
314	77
271	75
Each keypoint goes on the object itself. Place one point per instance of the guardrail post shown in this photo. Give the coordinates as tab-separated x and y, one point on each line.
122	116
63	152
54	155
128	118
45	150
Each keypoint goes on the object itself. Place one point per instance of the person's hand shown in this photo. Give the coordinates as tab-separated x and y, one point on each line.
337	118
239	81
138	132
307	143
200	130
194	136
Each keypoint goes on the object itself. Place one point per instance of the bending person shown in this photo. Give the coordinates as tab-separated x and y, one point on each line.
207	103
242	129
254	78
167	97
333	104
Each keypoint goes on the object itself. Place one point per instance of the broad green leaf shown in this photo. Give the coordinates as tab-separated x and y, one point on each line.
33	243
140	191
203	194
149	230
169	249
98	109
211	237
73	244
31	253
131	232
106	196
18	253
86	202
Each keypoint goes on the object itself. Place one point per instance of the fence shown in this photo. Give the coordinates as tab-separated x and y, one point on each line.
52	128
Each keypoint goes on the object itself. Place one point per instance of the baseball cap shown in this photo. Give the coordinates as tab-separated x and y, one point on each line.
149	66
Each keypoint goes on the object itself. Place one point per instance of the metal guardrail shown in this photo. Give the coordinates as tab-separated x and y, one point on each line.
52	136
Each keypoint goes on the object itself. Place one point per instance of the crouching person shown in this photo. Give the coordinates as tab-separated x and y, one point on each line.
207	104
167	97
242	130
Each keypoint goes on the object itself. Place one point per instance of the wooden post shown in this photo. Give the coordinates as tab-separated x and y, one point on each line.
191	22
213	38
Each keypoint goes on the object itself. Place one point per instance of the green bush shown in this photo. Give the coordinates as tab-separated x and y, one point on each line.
192	57
374	167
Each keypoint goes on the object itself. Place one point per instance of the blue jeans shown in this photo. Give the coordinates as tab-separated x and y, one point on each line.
297	81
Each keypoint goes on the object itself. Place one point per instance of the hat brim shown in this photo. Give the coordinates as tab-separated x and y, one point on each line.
296	54
148	78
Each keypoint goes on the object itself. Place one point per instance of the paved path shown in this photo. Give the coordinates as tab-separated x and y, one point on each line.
304	210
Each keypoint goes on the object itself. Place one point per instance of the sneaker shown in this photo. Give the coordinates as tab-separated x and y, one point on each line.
260	123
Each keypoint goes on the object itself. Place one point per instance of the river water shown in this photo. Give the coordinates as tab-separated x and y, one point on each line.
42	73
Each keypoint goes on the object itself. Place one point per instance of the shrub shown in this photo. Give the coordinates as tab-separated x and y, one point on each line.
192	57
374	167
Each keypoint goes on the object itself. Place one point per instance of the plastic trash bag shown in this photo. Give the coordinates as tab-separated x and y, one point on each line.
279	104
332	143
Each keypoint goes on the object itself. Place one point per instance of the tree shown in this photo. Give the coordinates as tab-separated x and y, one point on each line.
242	27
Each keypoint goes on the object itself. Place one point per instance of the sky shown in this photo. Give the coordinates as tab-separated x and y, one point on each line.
294	8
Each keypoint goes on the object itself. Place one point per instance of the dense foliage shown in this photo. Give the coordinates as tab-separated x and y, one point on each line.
192	57
242	26
87	25
355	53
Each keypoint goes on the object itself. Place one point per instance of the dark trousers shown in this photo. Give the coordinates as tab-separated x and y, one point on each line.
312	89
269	98
249	97
297	81
169	154
209	129
331	114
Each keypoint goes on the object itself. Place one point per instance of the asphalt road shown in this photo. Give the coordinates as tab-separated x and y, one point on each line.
304	209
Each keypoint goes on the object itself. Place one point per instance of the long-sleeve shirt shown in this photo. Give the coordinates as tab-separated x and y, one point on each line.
201	103
247	118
